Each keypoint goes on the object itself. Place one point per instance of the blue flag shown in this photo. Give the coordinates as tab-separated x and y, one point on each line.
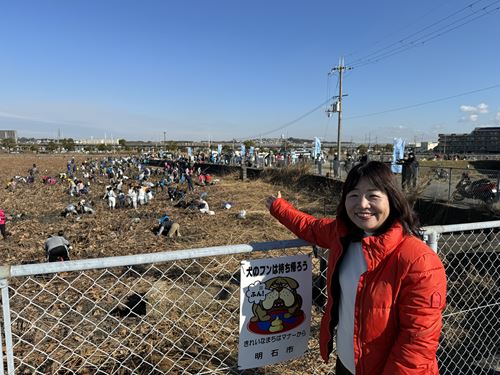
398	153
316	147
219	149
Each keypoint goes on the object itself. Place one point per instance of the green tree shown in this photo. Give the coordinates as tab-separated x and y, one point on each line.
388	147
172	146
123	144
102	147
227	149
9	143
34	148
51	146
249	144
68	144
362	149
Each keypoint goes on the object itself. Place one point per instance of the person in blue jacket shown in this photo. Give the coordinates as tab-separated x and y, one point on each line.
168	224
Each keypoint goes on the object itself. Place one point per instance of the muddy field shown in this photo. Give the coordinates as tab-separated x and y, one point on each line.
35	209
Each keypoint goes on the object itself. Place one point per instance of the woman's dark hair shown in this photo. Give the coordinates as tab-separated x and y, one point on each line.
381	176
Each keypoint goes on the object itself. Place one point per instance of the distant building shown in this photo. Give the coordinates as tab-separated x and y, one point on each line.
480	141
5	134
97	141
426	146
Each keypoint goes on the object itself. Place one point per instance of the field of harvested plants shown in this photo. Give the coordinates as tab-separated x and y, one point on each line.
35	209
179	317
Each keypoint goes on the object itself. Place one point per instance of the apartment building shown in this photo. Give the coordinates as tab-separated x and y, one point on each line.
482	140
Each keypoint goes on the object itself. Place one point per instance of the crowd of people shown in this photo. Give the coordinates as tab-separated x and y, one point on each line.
123	183
386	288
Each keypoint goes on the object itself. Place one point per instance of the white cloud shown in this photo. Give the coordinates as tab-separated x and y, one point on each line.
482	108
468	108
497	117
473	111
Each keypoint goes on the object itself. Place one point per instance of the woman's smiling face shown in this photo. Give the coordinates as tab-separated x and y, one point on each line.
367	206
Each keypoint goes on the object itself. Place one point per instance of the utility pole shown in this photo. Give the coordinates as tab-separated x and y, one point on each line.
340	68
164	138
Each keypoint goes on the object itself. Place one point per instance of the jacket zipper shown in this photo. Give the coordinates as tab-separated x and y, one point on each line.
360	315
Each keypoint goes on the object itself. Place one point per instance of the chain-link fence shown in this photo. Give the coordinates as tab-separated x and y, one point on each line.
469	186
178	312
470	343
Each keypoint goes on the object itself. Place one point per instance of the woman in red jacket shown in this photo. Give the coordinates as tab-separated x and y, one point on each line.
386	288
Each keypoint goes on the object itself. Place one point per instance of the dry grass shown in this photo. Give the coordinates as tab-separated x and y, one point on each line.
36	210
67	316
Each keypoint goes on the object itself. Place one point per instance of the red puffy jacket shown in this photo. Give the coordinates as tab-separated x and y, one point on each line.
399	302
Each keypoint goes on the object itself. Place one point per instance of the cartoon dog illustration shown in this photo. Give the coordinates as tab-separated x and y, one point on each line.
283	297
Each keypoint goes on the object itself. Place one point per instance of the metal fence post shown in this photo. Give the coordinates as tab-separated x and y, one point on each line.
498	186
432	240
449	184
4	286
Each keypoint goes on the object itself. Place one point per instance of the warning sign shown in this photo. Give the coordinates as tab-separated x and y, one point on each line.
275	310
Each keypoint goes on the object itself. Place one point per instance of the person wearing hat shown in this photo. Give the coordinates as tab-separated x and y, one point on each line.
167	223
57	247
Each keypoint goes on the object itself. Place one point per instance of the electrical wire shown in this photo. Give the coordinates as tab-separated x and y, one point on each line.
414	33
422	103
410	42
427	38
390	35
287	124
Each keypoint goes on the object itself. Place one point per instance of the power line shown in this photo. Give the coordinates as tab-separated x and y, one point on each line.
287	124
362	59
409	41
390	35
423	103
428	37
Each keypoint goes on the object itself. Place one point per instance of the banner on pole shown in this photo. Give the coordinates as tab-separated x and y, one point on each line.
275	310
398	153
316	148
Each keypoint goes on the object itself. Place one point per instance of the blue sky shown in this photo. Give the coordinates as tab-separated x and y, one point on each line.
199	69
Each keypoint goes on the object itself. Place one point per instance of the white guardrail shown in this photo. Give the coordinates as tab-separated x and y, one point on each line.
177	312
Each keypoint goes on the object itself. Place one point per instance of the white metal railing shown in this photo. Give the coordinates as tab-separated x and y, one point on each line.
177	312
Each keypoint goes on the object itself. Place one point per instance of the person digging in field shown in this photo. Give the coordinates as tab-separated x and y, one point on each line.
57	247
203	207
11	185
3	220
69	209
83	207
386	287
171	226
